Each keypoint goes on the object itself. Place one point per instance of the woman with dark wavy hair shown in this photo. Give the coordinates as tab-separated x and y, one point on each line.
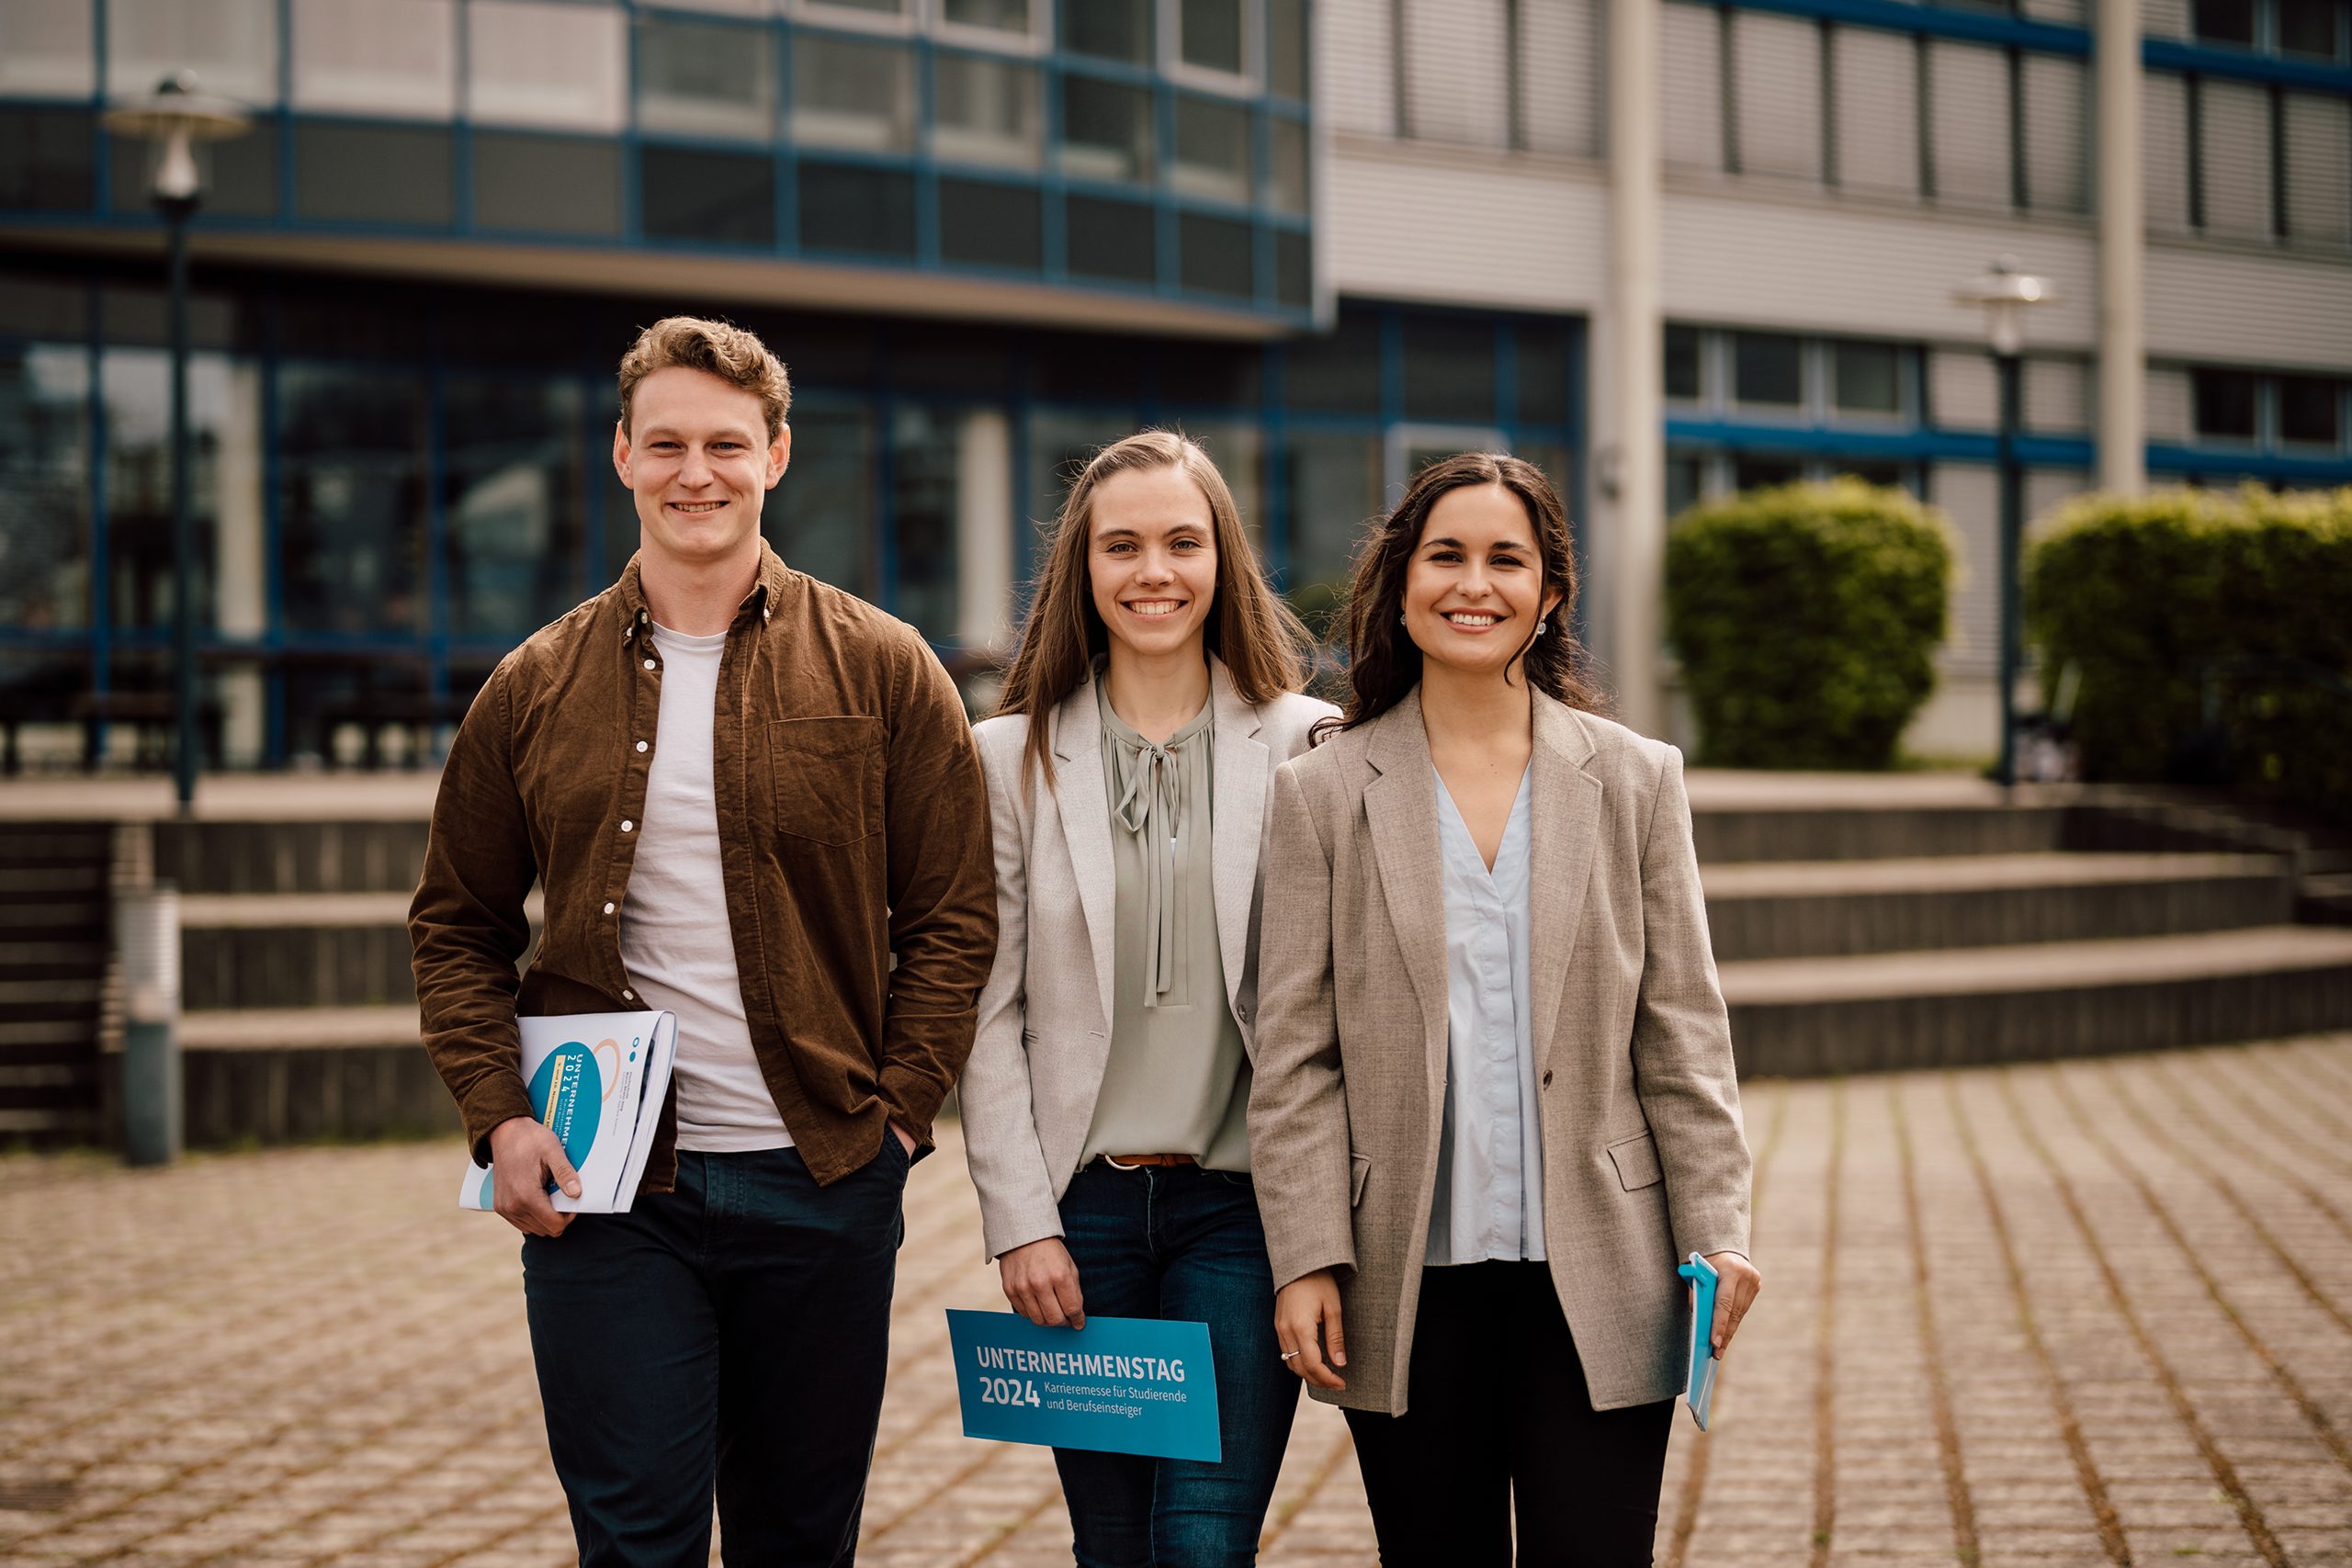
1106	1102
1493	1107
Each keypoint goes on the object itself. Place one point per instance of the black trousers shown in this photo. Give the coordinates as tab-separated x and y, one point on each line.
1497	1421
733	1336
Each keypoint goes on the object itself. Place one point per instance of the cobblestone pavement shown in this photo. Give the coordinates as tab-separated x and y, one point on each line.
2095	1312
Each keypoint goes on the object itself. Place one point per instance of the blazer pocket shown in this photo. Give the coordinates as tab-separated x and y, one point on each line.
1358	1167
1636	1162
825	777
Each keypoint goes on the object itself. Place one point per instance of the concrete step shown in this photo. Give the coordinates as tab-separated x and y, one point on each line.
1876	1011
55	843
1790	909
277	1029
32	1035
26	1001
297	950
20	883
291	856
1729	833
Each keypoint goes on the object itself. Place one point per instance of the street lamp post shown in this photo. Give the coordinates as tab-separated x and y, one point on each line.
2004	293
175	118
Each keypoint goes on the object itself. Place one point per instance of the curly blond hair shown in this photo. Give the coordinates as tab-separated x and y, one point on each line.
725	350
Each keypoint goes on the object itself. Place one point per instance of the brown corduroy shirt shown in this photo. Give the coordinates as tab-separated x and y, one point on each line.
854	824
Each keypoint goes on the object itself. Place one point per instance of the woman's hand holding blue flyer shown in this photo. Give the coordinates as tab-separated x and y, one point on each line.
1699	1390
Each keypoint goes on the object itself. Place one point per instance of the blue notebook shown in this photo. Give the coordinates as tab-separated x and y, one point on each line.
1699	1389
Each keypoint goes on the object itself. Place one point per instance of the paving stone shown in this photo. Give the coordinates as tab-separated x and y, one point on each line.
300	1356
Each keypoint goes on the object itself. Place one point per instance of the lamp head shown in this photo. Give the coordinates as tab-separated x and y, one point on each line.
2004	291
176	116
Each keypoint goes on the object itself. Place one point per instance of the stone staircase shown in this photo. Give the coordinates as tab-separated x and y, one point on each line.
53	957
300	1018
1861	924
1926	928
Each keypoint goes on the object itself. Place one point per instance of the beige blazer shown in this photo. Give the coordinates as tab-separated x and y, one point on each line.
1643	1158
1044	1035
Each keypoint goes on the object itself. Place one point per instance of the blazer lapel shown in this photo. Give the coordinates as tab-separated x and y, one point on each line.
1566	833
1084	803
1237	822
1400	807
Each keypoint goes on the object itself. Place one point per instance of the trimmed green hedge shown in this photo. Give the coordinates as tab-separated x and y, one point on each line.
2211	633
1807	619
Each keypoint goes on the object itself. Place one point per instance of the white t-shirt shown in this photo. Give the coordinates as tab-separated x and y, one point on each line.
676	941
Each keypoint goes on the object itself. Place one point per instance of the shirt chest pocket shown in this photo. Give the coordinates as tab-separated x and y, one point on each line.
824	778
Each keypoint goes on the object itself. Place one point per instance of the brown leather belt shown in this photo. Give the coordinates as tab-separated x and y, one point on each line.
1128	1162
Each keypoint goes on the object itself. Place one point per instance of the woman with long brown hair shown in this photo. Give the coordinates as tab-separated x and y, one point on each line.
1106	1102
1494	1106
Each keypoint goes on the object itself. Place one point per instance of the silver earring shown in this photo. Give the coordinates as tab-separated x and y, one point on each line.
1400	617
1542	626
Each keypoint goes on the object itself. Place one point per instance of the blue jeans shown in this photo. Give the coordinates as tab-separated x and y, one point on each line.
734	1334
1183	1243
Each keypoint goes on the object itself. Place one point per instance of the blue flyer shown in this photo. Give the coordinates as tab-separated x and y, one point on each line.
1122	1385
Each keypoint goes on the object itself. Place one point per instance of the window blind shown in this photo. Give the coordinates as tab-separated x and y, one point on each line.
1878	112
1969	123
2164	151
1456	89
2056	112
2234	157
391	57
1776	91
1691	87
1557	55
2319	169
1357	70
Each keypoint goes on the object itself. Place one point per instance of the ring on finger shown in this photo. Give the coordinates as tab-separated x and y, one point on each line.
1288	1353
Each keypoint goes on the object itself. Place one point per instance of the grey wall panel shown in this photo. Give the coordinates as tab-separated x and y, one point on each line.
1963	391
1540	240
2046	489
1878	112
2213	305
2167	403
1776	64
1823	266
2319	169
1690	88
1559	60
1969	124
2164	19
2057	395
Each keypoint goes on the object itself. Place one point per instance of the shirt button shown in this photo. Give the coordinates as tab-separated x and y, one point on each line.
628	826
648	664
641	745
628	995
609	908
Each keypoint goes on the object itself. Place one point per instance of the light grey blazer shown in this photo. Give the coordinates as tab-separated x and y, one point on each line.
1044	1035
1644	1161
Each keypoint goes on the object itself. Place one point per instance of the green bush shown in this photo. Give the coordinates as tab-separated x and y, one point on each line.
2210	633
1807	618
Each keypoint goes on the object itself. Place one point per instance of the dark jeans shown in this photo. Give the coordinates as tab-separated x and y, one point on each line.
734	1331
1182	1242
1497	1420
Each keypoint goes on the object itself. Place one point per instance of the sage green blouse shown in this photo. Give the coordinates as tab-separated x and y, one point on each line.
1178	1078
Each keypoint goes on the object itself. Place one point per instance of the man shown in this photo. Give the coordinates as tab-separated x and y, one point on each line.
753	801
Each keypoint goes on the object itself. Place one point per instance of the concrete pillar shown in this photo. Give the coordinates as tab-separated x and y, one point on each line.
1627	424
2123	247
984	529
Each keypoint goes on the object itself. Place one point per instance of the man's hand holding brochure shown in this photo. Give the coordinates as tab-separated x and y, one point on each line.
597	1081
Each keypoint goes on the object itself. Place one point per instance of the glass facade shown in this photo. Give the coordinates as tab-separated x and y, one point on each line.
715	127
393	487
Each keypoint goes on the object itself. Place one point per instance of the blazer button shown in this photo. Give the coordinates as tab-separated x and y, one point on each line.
1547	1080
